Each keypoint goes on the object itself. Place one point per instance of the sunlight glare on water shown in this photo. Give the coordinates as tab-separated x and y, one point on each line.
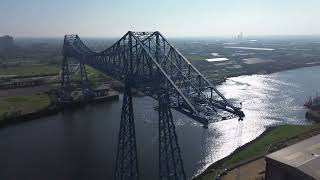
82	142
267	100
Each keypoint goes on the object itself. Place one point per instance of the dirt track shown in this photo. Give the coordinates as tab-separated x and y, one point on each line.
253	170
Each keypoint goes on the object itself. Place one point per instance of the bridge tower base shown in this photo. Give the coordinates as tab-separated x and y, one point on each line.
170	161
127	161
65	89
64	94
87	91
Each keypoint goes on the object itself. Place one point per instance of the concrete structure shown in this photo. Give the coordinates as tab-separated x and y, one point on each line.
298	161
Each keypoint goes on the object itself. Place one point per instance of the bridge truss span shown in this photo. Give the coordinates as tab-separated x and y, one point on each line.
155	64
147	62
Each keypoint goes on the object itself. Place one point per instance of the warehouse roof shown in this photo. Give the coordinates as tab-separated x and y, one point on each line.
304	156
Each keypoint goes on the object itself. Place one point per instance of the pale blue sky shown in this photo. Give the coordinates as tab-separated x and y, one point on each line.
112	18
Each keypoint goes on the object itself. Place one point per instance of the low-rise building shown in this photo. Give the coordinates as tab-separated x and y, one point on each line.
298	161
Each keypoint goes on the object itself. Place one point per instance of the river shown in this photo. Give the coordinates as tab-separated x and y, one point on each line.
81	143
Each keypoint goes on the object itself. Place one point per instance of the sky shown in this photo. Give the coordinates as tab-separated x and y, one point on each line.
173	18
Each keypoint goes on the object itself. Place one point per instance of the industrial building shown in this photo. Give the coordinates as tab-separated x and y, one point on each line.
298	161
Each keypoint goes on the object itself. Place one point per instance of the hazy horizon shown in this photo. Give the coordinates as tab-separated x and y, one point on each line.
176	19
226	37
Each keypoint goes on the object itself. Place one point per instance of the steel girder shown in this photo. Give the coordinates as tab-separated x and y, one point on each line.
65	85
68	70
87	91
170	161
154	57
127	160
147	62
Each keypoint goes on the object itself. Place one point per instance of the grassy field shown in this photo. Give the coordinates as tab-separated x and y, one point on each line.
94	76
261	145
25	104
30	70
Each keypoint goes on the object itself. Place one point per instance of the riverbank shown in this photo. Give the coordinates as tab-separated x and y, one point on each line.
271	139
230	74
50	110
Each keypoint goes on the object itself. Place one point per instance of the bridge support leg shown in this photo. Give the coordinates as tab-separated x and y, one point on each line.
170	161
127	161
65	86
87	91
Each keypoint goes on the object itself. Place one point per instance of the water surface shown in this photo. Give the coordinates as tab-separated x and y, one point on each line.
81	144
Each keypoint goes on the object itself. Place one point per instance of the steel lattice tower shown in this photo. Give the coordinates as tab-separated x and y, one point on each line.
127	160
148	62
170	161
65	86
85	85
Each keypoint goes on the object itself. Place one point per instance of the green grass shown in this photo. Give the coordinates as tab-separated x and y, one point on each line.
16	99
30	70
209	176
93	75
25	104
260	146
